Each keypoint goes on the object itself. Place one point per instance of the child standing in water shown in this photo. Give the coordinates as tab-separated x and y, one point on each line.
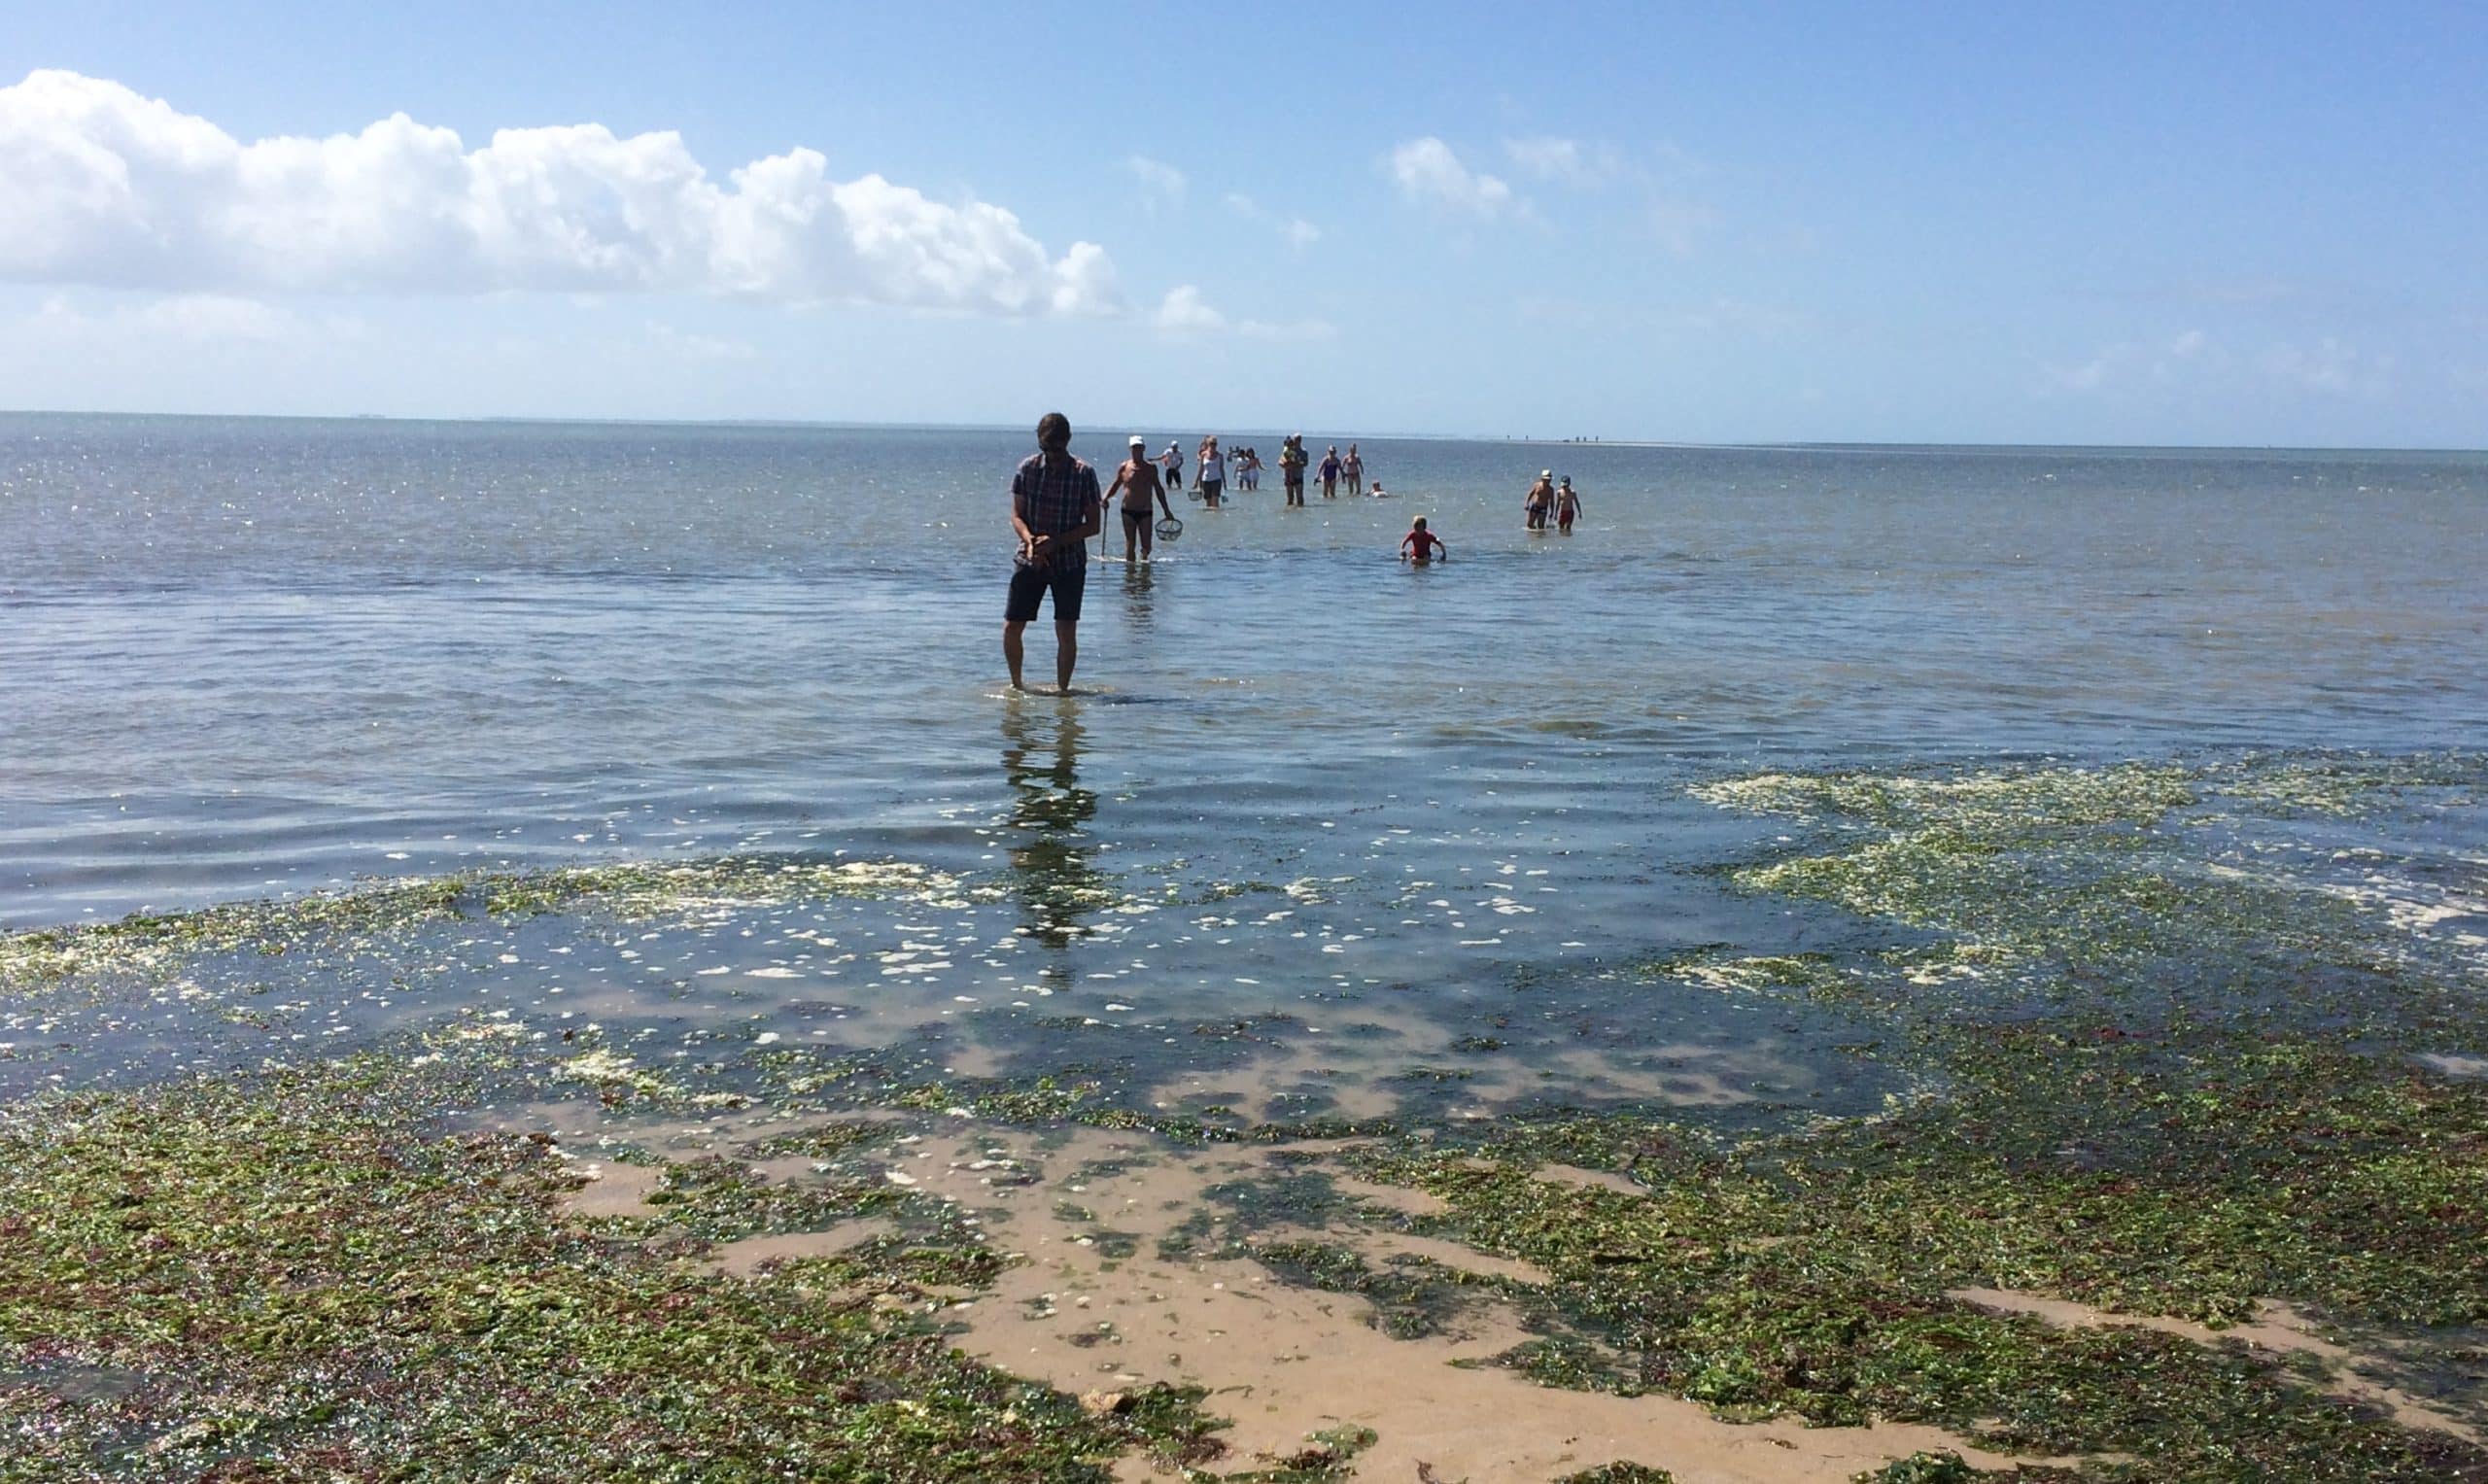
1420	546
1568	506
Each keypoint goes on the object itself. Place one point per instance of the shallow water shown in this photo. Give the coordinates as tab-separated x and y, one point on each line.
248	655
255	657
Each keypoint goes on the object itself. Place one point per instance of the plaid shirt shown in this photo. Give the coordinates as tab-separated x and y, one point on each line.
1052	496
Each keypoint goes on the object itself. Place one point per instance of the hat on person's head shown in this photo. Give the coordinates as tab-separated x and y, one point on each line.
1137	442
1546	473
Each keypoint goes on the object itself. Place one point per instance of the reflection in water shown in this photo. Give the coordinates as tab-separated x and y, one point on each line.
1139	582
1048	816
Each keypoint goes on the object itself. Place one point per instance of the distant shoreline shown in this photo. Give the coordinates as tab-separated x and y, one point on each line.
1794	446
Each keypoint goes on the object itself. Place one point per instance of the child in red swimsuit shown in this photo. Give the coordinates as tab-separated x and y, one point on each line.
1420	544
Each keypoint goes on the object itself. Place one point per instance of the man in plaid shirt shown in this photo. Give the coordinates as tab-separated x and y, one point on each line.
1054	509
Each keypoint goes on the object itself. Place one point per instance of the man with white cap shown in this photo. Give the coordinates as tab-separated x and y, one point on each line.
1138	482
1540	499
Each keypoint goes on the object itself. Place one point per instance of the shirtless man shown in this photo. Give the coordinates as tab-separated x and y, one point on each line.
1540	501
1138	482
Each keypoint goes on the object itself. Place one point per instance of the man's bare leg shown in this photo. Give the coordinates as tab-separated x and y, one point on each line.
1131	538
1012	651
1066	653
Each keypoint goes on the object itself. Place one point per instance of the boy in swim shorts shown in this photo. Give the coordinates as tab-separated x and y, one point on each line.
1420	546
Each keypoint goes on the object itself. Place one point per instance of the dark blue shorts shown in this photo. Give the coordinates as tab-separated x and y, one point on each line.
1028	584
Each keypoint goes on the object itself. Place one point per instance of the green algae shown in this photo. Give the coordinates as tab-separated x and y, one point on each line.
2338	786
1328	1456
2146	1086
1814	975
294	1276
1925	1469
1818	1284
2122	1129
645	890
369	915
2052	888
1619	1473
830	1142
2150	1087
1981	803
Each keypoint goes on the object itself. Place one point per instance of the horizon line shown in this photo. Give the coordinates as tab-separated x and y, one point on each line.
1793	446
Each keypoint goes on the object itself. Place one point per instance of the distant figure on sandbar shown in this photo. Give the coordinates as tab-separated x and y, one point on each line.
1568	506
1421	545
1137	481
1330	474
1055	510
1541	499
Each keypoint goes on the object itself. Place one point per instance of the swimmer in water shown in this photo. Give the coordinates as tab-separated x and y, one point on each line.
1421	545
1378	492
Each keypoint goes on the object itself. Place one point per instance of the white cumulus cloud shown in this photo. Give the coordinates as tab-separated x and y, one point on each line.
108	187
1428	172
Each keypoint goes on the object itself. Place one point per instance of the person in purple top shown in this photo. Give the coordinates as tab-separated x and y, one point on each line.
1054	509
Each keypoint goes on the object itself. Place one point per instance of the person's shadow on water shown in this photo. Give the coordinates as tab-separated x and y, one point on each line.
1048	823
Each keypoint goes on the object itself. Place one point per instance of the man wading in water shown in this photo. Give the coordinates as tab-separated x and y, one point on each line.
1137	482
1053	512
1539	501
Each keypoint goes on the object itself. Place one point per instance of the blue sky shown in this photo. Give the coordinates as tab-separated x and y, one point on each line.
2198	224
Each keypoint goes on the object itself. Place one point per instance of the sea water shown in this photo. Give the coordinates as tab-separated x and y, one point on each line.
247	658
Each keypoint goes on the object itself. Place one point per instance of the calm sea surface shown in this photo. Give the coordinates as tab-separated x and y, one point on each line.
248	657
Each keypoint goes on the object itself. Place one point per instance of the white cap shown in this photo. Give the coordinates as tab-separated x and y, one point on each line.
1137	442
1546	473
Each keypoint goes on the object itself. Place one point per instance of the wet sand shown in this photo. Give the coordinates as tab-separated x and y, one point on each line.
1094	1306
